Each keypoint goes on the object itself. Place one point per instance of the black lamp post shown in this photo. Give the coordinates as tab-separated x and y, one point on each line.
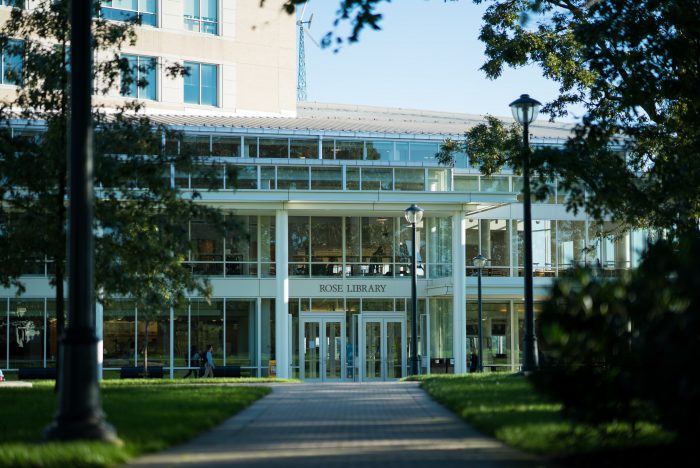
414	215
79	413
479	263
525	112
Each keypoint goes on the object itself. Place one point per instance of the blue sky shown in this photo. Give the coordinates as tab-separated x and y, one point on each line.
427	56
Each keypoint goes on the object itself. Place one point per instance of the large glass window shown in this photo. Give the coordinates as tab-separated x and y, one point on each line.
441	336
241	332
207	326
202	16
490	238
143	11
154	329
380	151
51	334
267	245
326	178
409	179
242	177
242	248
119	333
494	184
273	147
183	352
292	178
326	246
11	63
298	245
424	152
440	247
377	245
207	249
303	149
376	178
438	180
571	244
225	146
543	247
497	341
466	184
140	82
267	335
349	149
201	84
26	333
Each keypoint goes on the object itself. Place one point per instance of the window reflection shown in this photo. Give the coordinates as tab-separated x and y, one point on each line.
26	333
241	332
496	325
118	333
207	326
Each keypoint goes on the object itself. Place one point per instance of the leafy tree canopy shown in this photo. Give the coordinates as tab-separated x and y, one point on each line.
631	64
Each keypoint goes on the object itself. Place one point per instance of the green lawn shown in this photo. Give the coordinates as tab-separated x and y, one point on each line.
147	417
506	407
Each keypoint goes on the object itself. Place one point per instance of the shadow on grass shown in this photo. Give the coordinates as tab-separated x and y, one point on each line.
147	418
506	406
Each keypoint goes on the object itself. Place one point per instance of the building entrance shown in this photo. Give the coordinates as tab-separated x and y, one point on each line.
382	346
321	346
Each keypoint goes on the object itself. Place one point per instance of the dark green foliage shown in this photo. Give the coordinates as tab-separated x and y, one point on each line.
627	349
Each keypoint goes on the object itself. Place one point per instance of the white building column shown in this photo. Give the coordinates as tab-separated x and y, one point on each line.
459	319
282	297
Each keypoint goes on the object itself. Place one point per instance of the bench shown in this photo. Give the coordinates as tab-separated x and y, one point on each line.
36	373
227	371
154	372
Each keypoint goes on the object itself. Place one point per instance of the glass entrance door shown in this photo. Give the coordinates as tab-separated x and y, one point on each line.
322	346
382	346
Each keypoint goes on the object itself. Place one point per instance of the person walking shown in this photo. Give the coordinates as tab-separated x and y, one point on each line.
209	363
193	364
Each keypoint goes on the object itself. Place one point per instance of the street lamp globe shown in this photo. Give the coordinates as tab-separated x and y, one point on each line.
525	109
480	261
413	214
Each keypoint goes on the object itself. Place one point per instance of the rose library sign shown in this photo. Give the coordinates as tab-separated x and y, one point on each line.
351	288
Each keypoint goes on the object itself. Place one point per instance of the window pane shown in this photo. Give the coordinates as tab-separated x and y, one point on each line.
380	151
225	146
129	85
466	184
298	245
242	177
209	95
326	178
207	327
438	180
274	148
304	149
208	10
241	332
402	153
494	184
327	149
118	333
292	178
352	178
26	333
409	179
440	243
191	8
250	147
349	150
147	79
376	178
192	83
326	242
424	151
242	247
377	245
157	336
571	244
267	178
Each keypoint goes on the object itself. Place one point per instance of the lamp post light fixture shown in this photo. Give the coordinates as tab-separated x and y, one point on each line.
479	263
525	110
414	215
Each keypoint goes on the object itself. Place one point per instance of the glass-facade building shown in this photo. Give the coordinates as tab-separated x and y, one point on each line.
317	283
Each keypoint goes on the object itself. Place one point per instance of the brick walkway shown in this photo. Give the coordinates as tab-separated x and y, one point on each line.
378	424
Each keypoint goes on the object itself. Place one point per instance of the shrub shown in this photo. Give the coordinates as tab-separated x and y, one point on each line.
627	348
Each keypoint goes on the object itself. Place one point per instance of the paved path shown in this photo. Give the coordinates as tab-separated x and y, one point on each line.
308	425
